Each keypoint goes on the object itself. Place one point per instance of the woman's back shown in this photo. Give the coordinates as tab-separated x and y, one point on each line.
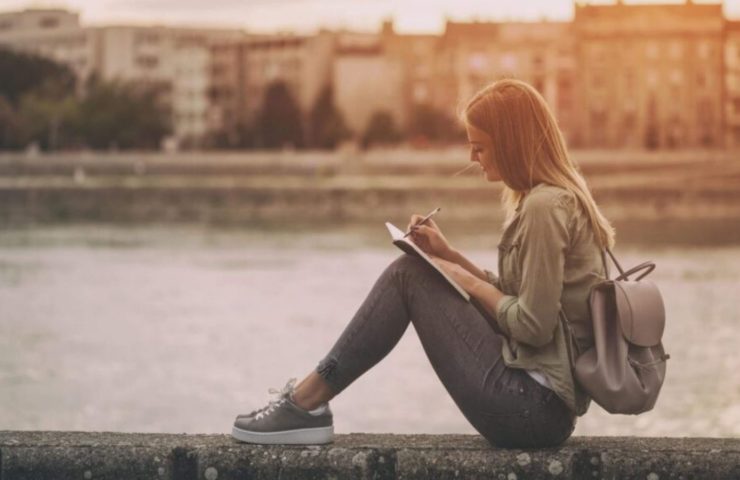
548	262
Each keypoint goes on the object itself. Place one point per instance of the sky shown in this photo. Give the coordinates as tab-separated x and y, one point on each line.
410	16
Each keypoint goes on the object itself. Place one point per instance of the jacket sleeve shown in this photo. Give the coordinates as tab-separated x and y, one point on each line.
492	278
532	316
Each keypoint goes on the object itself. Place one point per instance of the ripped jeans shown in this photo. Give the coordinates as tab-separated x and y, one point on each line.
505	405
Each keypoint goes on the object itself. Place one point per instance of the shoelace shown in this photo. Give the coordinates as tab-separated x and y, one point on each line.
281	396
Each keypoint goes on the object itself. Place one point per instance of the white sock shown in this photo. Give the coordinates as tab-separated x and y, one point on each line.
316	411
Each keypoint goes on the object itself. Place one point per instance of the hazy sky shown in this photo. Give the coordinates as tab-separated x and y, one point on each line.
307	15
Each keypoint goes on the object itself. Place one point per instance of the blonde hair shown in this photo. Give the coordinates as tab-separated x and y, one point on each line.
528	144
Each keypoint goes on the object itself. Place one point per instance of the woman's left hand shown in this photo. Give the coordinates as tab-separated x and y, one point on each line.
466	279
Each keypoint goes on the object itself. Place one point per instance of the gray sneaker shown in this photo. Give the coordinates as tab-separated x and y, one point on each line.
282	421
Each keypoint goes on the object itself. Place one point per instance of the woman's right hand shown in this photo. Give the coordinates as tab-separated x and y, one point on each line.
428	237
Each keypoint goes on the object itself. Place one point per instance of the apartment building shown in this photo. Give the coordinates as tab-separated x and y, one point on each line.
51	33
415	57
177	60
472	55
243	70
174	59
617	76
366	81
732	84
650	76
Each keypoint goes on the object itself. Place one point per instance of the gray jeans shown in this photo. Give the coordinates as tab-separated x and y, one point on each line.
505	405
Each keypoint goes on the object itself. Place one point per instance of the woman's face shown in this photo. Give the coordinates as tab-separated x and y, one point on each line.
481	151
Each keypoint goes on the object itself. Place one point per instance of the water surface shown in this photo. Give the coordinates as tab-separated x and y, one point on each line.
178	329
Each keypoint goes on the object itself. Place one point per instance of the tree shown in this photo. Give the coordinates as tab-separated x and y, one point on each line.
326	124
279	121
433	125
50	121
381	129
33	73
122	115
11	126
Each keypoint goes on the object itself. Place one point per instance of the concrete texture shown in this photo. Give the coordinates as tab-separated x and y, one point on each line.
103	455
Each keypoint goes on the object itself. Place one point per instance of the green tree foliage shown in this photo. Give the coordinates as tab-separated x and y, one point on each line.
279	121
24	73
122	115
12	130
381	129
432	125
48	120
38	103
326	124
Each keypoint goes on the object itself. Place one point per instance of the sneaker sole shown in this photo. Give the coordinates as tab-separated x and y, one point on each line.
299	436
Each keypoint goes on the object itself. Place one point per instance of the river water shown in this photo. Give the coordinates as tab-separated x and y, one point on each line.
178	329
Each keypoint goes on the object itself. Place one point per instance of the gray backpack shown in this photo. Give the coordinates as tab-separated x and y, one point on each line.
624	370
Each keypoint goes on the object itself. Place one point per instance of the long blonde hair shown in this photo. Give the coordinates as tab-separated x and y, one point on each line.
528	144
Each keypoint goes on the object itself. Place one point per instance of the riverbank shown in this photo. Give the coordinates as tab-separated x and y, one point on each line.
253	189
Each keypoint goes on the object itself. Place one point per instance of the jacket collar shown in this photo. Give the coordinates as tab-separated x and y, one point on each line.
521	202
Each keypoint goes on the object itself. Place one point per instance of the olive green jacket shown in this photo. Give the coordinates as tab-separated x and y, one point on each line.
548	260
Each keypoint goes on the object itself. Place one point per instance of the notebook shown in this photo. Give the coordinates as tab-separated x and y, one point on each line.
408	246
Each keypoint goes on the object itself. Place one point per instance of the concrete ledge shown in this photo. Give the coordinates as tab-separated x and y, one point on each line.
93	455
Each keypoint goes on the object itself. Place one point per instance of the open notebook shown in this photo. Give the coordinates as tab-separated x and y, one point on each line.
410	247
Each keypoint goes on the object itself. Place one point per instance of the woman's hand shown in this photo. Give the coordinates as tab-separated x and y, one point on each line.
463	277
429	237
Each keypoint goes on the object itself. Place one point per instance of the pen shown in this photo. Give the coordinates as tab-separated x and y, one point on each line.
433	212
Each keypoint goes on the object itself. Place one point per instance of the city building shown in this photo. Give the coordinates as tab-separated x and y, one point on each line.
472	55
366	81
175	60
51	33
732	84
617	76
650	76
243	71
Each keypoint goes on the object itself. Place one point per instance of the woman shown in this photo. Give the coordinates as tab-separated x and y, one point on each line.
511	380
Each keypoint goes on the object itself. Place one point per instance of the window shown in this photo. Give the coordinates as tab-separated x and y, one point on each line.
652	49
676	50
421	93
652	78
599	118
477	62
537	61
704	112
49	22
147	61
597	81
676	77
629	81
704	49
508	62
701	79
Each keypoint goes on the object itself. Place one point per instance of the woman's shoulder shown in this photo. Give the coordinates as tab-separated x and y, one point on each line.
544	195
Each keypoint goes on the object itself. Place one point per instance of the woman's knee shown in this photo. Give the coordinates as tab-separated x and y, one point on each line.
407	262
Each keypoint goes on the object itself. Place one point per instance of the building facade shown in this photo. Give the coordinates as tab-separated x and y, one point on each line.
650	76
732	84
617	76
174	60
52	33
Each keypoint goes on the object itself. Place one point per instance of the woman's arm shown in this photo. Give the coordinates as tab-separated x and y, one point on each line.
479	288
455	256
430	239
